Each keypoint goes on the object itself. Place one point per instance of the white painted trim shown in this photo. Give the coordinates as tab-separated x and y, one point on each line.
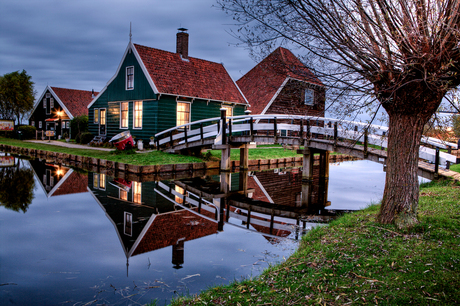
244	97
130	45
275	96
263	189
38	102
144	69
126	78
61	103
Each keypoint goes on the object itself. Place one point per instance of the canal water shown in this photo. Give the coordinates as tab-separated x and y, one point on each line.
68	237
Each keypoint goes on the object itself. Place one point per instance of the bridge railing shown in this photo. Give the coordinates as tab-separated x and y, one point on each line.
305	127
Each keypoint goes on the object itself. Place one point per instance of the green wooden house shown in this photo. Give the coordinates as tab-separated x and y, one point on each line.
153	90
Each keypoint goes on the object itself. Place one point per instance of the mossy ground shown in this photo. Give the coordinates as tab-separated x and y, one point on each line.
355	260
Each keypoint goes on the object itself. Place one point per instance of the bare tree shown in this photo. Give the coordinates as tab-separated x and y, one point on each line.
402	53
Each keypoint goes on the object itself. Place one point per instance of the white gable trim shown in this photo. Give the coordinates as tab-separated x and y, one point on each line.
275	96
38	101
236	86
144	70
56	98
61	103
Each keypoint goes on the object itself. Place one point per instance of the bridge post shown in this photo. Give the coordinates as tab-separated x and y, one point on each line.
449	151
244	165
307	176
436	164
225	158
323	177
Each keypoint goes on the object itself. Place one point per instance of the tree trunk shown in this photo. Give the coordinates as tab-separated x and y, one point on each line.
401	193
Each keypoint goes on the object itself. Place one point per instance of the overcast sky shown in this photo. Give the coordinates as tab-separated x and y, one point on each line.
79	44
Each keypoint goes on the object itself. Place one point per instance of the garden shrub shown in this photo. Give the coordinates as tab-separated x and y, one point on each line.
86	137
27	131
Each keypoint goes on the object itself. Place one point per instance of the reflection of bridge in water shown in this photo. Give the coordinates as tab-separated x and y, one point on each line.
151	215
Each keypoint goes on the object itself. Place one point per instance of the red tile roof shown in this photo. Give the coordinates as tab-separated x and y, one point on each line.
75	183
168	228
190	78
76	101
262	82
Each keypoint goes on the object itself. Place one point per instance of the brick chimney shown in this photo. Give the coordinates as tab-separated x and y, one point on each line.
182	43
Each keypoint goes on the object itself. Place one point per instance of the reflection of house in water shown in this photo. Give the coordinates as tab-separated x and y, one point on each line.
278	203
284	187
145	219
58	179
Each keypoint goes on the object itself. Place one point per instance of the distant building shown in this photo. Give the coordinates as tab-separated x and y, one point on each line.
282	84
57	106
153	90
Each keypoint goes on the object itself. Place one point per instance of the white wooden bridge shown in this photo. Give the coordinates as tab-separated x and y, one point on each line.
358	139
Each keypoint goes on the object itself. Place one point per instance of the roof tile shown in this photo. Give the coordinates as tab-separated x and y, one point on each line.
191	78
262	82
76	101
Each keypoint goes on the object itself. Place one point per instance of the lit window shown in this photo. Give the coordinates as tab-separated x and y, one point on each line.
102	116
102	181
138	114
95	180
180	190
124	115
309	96
123	195
137	192
51	102
63	124
183	113
228	111
130	77
96	115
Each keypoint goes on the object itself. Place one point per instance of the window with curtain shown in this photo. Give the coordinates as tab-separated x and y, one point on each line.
183	113
124	109
138	114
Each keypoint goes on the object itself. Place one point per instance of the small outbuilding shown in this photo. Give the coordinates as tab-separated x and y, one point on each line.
56	107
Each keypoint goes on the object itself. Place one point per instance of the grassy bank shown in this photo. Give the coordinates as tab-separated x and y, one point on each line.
153	157
355	260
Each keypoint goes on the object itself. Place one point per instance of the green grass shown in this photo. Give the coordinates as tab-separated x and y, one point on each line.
259	153
358	261
143	159
455	167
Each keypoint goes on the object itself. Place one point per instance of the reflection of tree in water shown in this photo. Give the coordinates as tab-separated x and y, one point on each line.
16	188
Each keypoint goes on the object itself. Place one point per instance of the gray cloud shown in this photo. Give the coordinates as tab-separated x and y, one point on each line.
79	44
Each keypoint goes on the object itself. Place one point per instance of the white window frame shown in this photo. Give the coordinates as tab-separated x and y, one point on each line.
63	124
121	116
51	103
135	113
128	224
189	112
129	78
40	124
137	192
33	123
309	97
44	103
